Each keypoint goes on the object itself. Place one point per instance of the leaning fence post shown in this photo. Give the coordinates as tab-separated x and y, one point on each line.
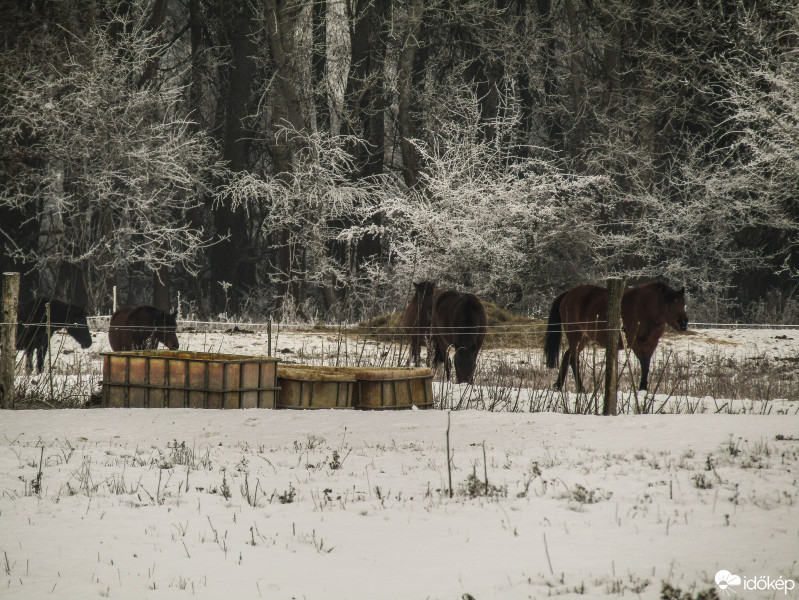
615	291
8	338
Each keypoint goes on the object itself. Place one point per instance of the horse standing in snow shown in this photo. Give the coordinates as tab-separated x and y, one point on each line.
582	312
418	317
32	334
142	328
459	320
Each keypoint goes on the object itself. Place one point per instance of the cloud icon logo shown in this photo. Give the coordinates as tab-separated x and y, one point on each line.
725	579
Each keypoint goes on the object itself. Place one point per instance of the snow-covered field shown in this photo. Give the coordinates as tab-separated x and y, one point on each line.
153	503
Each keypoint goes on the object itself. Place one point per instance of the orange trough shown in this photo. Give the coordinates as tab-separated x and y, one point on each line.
174	379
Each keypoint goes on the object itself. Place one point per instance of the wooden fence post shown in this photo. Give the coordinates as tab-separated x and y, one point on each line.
8	339
615	291
49	347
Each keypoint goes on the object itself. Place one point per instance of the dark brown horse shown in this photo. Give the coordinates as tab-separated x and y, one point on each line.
582	313
32	329
418	317
141	328
459	320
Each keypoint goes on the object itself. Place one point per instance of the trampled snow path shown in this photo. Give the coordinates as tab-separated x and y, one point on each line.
347	504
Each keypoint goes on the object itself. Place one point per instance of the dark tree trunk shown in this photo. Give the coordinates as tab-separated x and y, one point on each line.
365	95
231	259
319	64
196	36
576	135
281	23
157	14
554	128
162	297
405	78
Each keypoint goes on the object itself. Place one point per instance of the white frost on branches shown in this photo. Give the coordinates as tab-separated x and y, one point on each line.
119	171
498	225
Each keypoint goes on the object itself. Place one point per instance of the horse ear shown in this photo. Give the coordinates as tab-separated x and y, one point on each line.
681	293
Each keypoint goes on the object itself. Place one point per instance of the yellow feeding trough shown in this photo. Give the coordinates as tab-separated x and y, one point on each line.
304	386
369	388
174	379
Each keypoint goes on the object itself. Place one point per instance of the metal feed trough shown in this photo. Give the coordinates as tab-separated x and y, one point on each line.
174	379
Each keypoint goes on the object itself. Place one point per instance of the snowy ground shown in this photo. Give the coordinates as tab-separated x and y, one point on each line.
344	504
154	503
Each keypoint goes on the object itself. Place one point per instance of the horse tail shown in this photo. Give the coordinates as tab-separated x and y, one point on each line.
554	333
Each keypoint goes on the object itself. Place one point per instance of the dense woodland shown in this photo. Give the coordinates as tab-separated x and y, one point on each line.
311	158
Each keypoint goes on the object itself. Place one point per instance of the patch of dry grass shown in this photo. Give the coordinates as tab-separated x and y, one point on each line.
505	329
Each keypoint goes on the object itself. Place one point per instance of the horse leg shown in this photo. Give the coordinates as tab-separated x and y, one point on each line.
575	364
564	366
644	360
438	357
416	351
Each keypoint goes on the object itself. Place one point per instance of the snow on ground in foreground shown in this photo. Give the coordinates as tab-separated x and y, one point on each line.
349	504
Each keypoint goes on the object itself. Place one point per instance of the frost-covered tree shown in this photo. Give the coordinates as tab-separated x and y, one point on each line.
315	215
563	139
506	227
113	170
760	169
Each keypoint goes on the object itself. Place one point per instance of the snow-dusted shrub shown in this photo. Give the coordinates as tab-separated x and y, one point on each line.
507	227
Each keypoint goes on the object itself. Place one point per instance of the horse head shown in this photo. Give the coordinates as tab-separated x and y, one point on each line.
423	302
78	326
167	334
424	289
465	362
675	309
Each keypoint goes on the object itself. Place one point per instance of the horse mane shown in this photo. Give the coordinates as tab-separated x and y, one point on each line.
145	308
424	288
664	290
475	308
156	313
469	308
37	308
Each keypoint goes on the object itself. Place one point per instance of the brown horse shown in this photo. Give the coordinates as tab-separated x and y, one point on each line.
141	328
459	320
32	334
582	313
418	316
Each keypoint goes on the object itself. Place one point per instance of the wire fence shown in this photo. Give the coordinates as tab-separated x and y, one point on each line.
502	376
102	323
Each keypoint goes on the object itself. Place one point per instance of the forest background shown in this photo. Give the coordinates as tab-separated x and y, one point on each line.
311	158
